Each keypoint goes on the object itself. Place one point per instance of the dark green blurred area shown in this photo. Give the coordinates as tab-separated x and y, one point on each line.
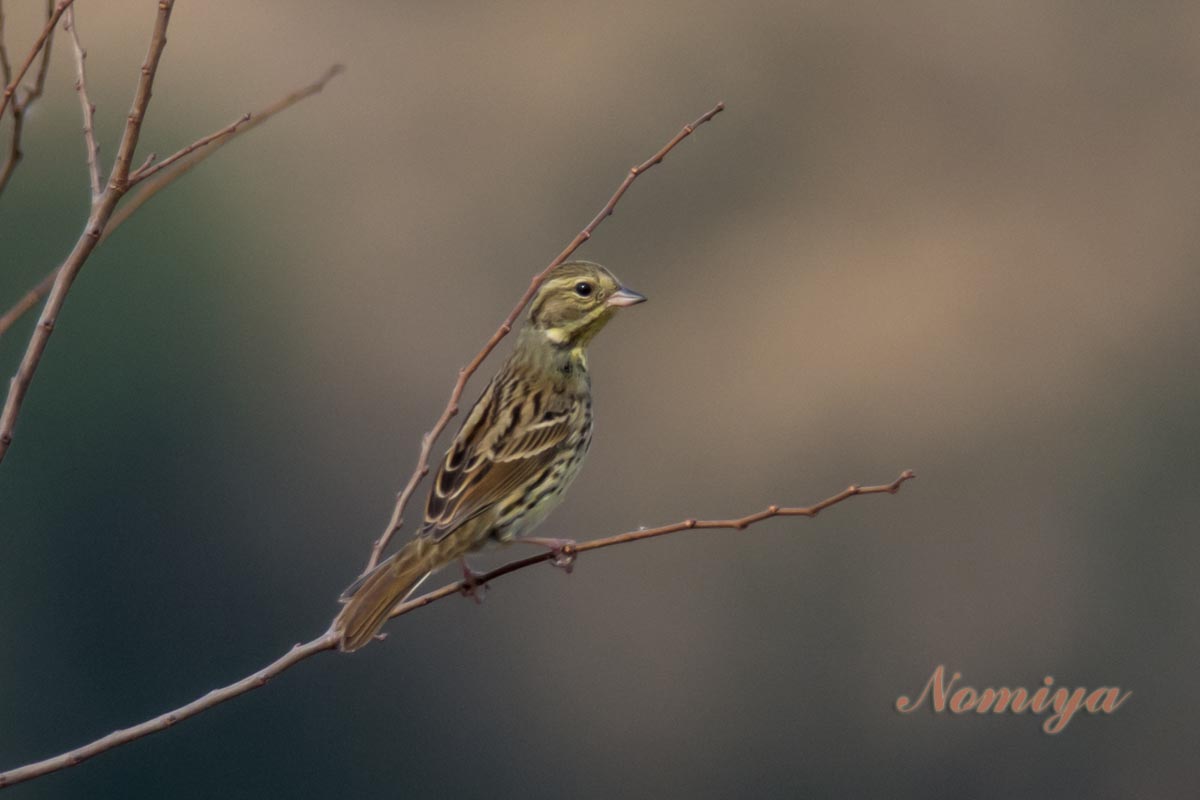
957	238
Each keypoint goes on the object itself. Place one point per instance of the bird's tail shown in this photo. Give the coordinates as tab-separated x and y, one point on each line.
372	597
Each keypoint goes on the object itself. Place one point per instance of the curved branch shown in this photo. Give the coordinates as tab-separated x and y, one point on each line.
77	756
464	374
161	180
329	639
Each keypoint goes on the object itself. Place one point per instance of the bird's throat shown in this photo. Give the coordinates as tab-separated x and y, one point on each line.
539	352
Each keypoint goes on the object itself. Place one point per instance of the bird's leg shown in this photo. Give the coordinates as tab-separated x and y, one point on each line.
563	550
471	587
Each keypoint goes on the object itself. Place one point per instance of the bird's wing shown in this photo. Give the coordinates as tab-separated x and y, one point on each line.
499	449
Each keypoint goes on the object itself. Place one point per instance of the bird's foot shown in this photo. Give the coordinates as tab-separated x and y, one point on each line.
471	586
564	550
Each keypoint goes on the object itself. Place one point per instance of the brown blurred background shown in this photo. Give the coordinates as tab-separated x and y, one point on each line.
954	237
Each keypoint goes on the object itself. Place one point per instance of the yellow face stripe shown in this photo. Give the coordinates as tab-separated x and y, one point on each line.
580	331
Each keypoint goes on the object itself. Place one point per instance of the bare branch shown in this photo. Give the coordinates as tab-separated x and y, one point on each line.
119	178
329	640
101	211
159	182
145	165
5	66
19	105
39	82
163	721
570	551
89	110
145	171
155	184
464	374
42	41
14	149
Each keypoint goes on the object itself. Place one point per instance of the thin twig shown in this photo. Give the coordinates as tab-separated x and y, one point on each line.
159	182
150	157
427	441
14	148
5	65
572	550
39	82
19	105
14	152
328	641
146	170
89	110
101	211
119	178
152	186
29	301
43	40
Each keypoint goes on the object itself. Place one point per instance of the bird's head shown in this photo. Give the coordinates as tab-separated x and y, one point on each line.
576	301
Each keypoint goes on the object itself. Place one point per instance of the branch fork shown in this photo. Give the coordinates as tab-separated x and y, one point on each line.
105	216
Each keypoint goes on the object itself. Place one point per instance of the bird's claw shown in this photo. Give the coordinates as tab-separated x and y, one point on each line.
471	586
564	551
564	557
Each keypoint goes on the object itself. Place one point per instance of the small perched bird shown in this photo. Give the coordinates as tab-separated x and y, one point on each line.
515	454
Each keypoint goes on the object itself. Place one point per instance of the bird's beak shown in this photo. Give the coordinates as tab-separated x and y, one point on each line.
625	297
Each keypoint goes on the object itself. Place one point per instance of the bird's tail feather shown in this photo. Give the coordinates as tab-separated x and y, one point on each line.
372	597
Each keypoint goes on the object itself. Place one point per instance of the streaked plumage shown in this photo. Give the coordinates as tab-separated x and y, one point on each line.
516	453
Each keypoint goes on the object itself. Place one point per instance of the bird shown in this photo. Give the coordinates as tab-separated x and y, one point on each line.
516	453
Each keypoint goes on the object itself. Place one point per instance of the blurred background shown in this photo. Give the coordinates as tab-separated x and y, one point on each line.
956	237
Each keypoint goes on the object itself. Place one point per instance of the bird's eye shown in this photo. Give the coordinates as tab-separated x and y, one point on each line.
583	289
